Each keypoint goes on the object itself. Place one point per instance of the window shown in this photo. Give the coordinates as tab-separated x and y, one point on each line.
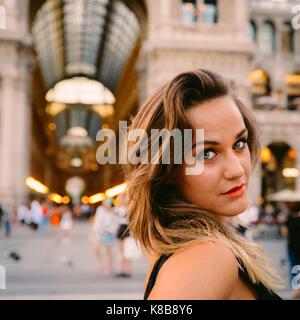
189	11
253	31
208	11
268	38
261	90
292	81
287	38
199	10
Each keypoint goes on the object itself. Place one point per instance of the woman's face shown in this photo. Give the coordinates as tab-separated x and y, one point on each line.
226	156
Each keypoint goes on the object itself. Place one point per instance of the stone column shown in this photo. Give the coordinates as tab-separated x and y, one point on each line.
11	16
8	161
225	12
259	28
241	18
165	9
23	133
23	16
278	36
153	18
297	47
175	10
159	17
15	133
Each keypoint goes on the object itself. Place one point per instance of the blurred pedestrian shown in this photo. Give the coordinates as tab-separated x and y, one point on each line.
103	235
45	215
1	215
66	223
36	214
23	213
7	219
269	213
55	215
122	234
86	211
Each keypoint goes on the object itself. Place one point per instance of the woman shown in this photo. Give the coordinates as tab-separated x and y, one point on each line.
183	221
66	223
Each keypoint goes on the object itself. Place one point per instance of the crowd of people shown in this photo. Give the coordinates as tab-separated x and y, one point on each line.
37	215
109	228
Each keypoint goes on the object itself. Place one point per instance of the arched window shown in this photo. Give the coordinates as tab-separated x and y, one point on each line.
261	89
293	91
2	17
260	82
268	38
279	171
287	38
253	31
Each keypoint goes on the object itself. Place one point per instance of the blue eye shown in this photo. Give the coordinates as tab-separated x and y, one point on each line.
241	144
205	155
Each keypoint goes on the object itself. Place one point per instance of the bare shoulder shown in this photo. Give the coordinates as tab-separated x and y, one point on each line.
203	271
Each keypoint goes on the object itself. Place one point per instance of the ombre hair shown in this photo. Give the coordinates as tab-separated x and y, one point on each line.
160	218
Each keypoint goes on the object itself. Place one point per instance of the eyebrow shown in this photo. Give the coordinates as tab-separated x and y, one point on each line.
215	143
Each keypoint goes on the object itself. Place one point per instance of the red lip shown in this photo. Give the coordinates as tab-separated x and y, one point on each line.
236	188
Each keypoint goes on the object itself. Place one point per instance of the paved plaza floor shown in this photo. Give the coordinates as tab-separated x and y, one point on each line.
52	269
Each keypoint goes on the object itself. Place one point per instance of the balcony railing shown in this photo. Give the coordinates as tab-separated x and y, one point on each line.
283	5
270	103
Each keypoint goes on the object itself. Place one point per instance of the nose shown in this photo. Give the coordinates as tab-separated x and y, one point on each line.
233	168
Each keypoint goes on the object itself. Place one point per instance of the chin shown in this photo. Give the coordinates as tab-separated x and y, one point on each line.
232	208
239	207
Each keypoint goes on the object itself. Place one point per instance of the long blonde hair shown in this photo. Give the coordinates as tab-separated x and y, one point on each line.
159	217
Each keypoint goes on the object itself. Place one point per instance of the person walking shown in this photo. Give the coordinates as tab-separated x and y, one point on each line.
36	214
66	223
103	236
22	213
1	215
122	235
7	219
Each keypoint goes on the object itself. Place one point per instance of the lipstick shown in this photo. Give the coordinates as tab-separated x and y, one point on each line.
236	192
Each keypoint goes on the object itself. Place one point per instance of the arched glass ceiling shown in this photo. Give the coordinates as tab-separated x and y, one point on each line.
91	38
122	32
78	118
80	90
84	23
76	137
48	34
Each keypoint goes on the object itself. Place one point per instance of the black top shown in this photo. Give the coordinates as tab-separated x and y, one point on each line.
262	293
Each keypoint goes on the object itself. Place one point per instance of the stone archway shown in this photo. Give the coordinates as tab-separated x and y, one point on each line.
278	167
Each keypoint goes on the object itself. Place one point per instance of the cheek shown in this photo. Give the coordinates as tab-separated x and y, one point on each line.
246	163
199	189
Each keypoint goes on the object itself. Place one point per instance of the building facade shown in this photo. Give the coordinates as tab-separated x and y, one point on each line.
252	43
